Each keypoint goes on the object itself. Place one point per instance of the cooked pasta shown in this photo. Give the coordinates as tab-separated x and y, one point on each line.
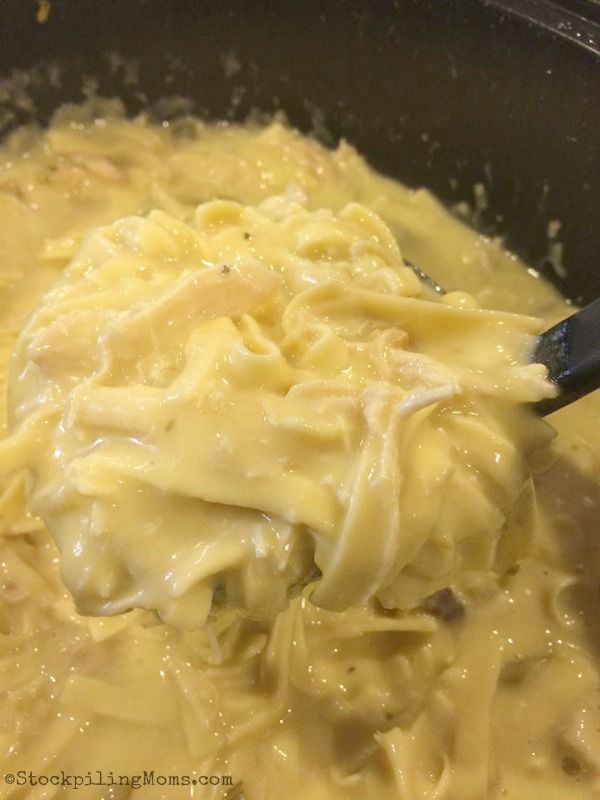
204	406
231	402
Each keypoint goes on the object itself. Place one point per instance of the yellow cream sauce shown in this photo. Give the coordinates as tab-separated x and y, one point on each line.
498	699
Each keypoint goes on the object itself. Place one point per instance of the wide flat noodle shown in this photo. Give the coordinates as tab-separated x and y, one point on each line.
187	398
354	705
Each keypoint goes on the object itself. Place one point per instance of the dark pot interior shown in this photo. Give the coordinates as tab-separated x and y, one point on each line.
441	93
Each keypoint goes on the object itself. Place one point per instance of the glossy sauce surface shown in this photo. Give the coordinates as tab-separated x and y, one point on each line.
499	700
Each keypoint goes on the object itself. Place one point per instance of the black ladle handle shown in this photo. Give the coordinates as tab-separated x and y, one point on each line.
571	352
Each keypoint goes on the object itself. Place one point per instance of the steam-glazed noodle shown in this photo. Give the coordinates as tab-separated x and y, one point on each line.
204	405
234	404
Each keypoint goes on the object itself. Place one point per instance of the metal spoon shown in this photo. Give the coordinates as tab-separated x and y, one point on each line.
570	351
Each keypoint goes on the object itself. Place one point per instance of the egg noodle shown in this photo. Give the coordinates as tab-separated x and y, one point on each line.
317	540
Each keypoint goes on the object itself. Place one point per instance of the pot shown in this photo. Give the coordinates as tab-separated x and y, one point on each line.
438	93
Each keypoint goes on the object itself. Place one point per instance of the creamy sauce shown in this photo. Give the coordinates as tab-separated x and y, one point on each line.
498	696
